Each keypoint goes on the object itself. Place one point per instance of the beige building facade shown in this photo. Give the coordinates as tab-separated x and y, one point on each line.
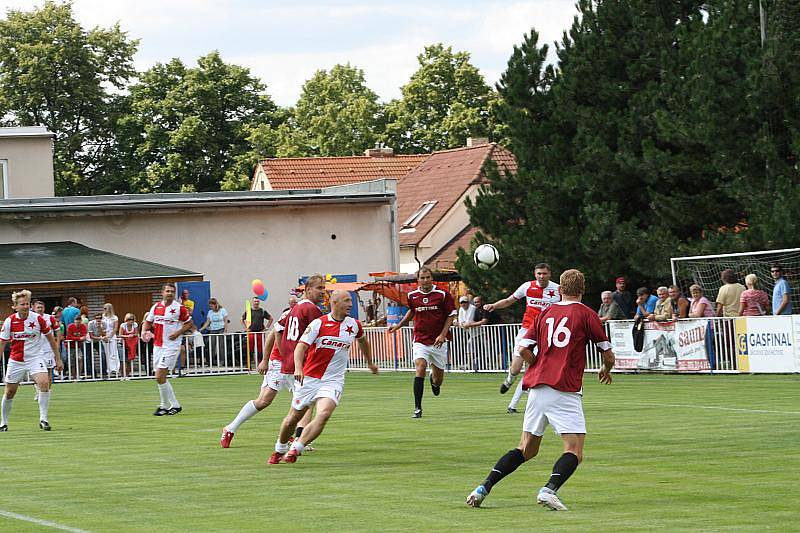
230	238
26	162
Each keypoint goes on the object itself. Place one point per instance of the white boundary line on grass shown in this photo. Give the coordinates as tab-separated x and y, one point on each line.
769	411
37	521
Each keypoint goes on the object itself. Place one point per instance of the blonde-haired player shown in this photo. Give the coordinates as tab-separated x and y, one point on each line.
555	350
25	329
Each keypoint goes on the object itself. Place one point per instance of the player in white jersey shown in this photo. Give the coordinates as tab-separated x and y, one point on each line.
320	377
169	320
24	329
47	352
538	295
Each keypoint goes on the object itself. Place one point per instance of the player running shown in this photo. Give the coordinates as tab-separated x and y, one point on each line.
25	330
539	295
47	352
554	381
319	374
169	320
433	311
274	382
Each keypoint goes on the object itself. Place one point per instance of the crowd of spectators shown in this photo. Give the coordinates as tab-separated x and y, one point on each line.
733	299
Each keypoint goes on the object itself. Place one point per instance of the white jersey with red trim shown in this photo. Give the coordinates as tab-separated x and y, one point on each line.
166	320
25	335
537	299
54	326
329	342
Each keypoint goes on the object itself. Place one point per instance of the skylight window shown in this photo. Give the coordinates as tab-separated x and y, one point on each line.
411	223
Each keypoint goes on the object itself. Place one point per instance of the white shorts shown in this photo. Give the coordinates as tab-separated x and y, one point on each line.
49	359
562	410
165	357
17	371
520	334
313	389
433	355
275	380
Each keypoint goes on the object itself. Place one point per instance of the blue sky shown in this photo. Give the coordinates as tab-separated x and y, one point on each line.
283	43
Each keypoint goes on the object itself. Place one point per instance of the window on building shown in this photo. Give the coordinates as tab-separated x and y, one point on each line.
411	222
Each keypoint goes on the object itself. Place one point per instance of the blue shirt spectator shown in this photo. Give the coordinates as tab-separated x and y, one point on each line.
781	294
70	312
645	302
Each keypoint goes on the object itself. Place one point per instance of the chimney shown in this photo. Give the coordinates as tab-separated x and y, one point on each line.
379	151
476	141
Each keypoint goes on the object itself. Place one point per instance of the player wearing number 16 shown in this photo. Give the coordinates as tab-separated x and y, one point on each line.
555	350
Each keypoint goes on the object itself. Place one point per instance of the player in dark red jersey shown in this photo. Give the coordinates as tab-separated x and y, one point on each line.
433	311
25	330
555	349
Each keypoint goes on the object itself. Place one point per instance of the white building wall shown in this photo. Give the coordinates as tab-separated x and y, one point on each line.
232	246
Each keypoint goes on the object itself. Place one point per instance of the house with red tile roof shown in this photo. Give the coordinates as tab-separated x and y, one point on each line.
432	218
319	172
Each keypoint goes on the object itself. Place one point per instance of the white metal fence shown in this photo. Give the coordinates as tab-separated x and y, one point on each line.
484	349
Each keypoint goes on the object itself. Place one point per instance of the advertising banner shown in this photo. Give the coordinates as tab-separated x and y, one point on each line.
668	346
766	344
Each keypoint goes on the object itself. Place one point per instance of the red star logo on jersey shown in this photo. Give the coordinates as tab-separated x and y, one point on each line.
551	293
172	311
30	324
349	329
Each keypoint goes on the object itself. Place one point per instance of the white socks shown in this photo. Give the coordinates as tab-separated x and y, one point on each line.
6	410
298	446
281	447
44	403
168	398
247	412
516	397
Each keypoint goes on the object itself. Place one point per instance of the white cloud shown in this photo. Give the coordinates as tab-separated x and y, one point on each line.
284	43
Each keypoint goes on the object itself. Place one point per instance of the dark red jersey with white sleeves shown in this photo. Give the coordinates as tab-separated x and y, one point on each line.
294	324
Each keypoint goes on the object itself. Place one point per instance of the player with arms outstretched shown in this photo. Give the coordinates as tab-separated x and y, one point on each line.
320	364
25	330
433	311
538	295
169	319
554	379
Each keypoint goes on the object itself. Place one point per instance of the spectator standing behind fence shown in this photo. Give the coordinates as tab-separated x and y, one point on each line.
480	317
77	335
781	294
217	325
260	321
110	347
645	303
753	301
729	294
680	305
624	298
663	310
609	309
129	333
97	334
85	315
70	312
465	311
187	303
701	306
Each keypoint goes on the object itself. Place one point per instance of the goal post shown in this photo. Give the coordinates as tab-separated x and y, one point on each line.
705	270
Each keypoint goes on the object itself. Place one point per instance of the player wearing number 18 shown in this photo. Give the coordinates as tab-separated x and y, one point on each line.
555	350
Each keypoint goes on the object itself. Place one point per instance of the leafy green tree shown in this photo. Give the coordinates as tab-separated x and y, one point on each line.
55	73
336	114
445	101
197	129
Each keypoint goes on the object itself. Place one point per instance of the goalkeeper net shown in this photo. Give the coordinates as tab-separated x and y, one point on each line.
705	271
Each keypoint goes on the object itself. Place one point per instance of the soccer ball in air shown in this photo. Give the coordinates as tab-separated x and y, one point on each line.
486	256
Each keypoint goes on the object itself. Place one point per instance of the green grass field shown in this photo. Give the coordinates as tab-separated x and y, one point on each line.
663	452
